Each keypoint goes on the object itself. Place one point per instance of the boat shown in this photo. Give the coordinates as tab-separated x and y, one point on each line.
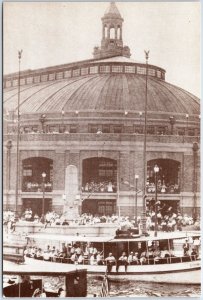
175	268
42	280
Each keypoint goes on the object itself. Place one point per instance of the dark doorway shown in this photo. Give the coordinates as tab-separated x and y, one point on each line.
99	207
36	205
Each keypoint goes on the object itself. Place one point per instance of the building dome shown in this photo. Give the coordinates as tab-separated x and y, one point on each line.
113	84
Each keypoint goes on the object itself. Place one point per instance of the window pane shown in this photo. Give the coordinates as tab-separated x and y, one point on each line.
117	129
117	69
44	77
29	80
59	75
141	70
36	79
67	74
52	76
76	72
94	70
105	128
15	82
84	71
73	128
105	69
129	69
22	81
158	74
151	72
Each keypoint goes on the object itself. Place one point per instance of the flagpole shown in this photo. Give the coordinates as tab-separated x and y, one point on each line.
18	133
144	230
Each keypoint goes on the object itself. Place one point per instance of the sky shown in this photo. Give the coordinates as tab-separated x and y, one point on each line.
54	33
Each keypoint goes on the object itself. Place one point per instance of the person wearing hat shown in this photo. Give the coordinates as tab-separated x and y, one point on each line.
194	254
130	258
186	247
110	261
135	259
122	261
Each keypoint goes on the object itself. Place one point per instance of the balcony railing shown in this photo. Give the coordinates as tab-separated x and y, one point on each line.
169	189
37	187
100	187
117	137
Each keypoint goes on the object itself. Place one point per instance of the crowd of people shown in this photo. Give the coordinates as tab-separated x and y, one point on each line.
162	187
74	254
36	187
99	186
89	254
165	218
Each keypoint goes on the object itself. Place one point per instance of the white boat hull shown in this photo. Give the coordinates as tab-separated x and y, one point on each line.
179	273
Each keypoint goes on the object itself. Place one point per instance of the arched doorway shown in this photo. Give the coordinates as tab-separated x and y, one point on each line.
32	179
99	176
168	176
37	177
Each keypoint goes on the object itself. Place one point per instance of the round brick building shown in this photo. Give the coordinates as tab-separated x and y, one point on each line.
78	133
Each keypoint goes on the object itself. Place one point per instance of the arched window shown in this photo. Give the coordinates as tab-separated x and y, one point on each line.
32	178
105	31
99	174
112	33
168	177
119	32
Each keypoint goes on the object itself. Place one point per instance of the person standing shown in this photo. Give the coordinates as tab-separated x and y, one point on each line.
110	261
186	247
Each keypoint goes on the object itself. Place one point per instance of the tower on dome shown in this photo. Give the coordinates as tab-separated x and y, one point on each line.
112	42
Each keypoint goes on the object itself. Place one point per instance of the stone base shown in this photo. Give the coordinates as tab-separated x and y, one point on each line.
71	213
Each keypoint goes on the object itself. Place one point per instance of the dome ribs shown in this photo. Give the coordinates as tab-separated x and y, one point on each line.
189	101
74	102
36	100
26	95
93	92
85	96
183	101
137	92
102	92
111	95
57	100
15	91
164	99
126	93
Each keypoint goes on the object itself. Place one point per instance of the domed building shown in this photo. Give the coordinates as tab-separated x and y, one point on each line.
76	140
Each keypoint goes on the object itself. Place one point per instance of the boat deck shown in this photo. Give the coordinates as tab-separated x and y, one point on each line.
36	267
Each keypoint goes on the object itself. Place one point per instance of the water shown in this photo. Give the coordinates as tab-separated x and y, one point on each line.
127	288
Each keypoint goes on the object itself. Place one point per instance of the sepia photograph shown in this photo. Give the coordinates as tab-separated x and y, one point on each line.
101	149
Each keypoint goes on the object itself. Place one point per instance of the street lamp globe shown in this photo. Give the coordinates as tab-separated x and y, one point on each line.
156	169
44	175
136	176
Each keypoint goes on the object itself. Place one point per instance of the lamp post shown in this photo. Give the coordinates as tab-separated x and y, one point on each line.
42	120
187	117
140	114
43	190
18	133
9	146
172	122
136	181
61	128
156	170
